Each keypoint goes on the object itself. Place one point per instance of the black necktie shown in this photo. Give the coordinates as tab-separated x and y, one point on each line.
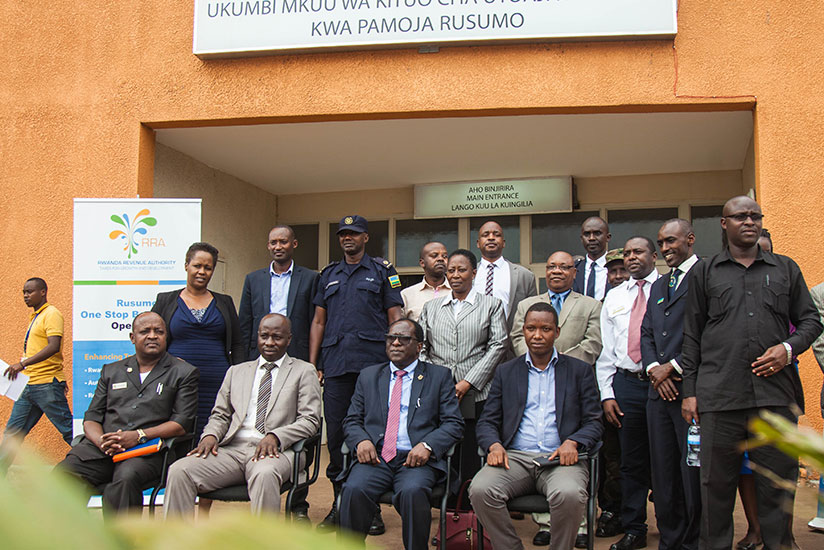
673	282
591	281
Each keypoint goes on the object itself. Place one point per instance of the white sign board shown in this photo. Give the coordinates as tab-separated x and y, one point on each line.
532	196
126	251
225	28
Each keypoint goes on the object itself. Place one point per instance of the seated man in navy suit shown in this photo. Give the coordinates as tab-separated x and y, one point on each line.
540	404
403	418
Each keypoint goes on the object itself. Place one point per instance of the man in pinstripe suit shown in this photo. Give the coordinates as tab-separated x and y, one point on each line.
466	332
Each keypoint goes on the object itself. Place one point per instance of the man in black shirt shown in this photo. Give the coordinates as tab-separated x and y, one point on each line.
737	359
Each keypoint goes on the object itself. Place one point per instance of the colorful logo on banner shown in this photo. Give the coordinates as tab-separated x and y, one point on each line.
132	231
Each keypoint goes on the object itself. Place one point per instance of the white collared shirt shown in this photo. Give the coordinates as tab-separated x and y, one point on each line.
600	276
615	315
684	268
500	280
247	430
457	305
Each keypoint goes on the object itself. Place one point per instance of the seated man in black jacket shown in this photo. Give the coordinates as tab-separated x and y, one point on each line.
540	404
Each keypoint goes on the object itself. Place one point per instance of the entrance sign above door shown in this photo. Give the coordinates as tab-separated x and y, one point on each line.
226	28
481	198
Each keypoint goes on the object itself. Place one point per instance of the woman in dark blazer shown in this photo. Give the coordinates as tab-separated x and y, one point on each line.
202	327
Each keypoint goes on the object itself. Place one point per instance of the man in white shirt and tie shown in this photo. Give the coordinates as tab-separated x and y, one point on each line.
591	275
624	385
498	277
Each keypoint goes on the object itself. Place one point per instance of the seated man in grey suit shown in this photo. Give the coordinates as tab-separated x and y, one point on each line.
580	325
403	418
540	404
262	408
147	395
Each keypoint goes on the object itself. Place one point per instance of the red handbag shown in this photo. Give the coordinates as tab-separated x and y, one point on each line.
462	527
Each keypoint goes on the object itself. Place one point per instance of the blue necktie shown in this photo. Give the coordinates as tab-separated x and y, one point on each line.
591	281
555	301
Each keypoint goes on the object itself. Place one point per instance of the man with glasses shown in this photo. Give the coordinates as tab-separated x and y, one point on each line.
737	343
580	325
403	419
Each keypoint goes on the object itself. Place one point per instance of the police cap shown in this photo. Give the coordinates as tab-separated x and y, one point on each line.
358	224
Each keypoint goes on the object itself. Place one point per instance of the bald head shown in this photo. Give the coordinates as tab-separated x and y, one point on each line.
149	337
145	317
274	335
741	222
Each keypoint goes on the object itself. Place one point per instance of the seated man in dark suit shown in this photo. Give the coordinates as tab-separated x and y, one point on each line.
400	430
540	404
147	395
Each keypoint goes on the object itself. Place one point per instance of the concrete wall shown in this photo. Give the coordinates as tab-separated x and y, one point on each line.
236	216
84	83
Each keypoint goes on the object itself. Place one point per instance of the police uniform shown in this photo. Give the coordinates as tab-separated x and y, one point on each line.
356	299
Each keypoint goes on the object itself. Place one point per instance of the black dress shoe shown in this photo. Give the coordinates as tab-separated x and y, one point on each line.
609	525
377	527
581	540
630	541
541	538
302	517
330	522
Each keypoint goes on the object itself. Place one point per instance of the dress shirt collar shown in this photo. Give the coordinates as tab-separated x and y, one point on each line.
631	283
600	262
443	285
687	264
470	298
278	363
41	308
409	369
563	295
725	255
287	272
500	262
552	362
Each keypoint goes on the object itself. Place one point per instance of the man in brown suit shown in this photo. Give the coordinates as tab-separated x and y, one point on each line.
262	408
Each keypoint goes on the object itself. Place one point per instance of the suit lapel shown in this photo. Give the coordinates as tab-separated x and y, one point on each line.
383	390
569	304
417	386
513	286
266	280
522	379
466	309
560	385
134	374
293	290
158	371
680	291
283	373
246	377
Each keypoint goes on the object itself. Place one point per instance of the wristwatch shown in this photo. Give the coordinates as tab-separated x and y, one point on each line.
426	446
141	436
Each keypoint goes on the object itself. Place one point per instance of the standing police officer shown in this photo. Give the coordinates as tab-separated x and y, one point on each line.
358	298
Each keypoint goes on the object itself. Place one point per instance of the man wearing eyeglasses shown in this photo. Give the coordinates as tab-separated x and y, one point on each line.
580	325
403	418
737	360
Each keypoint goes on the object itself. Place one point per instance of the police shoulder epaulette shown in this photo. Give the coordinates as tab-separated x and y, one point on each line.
380	261
331	264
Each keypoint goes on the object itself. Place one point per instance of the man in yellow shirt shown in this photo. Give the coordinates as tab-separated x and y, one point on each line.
42	361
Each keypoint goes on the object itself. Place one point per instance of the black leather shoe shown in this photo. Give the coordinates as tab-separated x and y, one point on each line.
301	517
609	525
330	522
377	527
541	538
630	542
581	540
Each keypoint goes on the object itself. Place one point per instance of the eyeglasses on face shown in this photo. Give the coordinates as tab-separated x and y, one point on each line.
404	340
741	217
561	267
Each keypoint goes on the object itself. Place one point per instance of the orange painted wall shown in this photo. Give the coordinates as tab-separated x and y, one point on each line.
79	79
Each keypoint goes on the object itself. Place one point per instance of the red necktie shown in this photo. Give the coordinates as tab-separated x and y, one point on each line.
390	438
639	307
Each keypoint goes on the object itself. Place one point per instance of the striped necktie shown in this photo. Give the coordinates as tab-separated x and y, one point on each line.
393	417
264	393
489	275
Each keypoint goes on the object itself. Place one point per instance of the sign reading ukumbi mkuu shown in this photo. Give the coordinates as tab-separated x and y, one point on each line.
253	27
528	196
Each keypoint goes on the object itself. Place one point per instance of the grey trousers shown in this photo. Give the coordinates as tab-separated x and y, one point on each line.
232	466
565	488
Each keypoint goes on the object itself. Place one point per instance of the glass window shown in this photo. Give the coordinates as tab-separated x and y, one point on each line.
409	280
623	224
306	254
706	222
512	235
411	235
377	246
553	232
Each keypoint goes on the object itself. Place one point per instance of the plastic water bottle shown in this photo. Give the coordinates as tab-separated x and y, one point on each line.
694	445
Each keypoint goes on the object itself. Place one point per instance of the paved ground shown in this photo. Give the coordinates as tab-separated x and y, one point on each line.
320	497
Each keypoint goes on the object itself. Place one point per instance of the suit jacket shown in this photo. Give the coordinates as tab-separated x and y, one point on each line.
578	284
817	293
577	403
122	402
662	330
166	305
254	305
472	345
433	416
579	321
522	284
294	407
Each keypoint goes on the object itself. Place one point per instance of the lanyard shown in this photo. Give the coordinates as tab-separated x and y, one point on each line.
26	341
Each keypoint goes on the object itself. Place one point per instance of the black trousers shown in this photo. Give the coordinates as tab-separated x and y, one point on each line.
123	482
631	394
722	433
470	462
676	486
337	396
412	488
609	471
